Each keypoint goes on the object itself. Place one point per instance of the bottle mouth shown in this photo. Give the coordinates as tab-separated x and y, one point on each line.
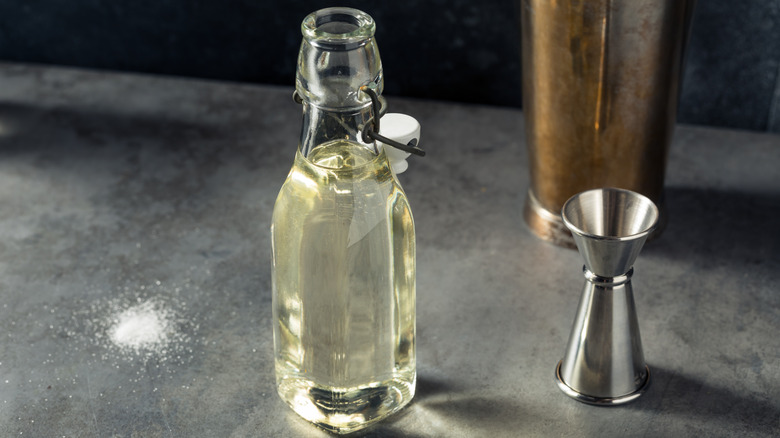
338	28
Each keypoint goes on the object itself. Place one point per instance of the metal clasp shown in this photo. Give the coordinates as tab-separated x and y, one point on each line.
370	131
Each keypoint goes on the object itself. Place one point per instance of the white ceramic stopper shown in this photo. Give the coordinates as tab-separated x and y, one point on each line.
403	129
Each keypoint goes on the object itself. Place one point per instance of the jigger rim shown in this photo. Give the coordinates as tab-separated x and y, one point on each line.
577	230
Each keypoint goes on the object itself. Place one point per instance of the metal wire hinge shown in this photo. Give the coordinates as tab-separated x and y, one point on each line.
371	129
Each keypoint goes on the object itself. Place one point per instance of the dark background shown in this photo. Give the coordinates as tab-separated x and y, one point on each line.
456	50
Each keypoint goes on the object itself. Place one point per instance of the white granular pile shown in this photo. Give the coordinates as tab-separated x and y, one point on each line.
146	326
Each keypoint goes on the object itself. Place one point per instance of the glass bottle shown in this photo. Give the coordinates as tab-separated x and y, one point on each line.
343	242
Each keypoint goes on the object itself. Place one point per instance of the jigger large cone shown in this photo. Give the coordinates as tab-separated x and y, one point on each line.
604	363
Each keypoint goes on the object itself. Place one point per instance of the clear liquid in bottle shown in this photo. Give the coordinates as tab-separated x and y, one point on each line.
344	288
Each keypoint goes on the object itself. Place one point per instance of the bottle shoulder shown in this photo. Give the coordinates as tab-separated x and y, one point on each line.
338	181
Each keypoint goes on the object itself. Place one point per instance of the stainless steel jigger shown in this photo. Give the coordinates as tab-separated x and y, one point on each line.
604	363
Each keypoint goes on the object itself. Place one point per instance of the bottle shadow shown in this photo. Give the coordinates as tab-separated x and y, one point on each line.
441	408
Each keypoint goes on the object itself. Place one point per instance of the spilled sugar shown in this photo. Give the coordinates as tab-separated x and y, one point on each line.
149	326
146	326
127	339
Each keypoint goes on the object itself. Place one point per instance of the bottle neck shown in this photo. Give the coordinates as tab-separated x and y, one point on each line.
321	125
338	56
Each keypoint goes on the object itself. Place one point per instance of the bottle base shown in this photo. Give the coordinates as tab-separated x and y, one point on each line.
345	410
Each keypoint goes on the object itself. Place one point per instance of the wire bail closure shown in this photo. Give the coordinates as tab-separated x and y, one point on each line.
371	133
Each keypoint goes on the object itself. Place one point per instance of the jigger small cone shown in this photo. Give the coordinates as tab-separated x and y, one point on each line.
603	363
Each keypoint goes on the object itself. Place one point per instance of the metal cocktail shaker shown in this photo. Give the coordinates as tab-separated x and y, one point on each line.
600	87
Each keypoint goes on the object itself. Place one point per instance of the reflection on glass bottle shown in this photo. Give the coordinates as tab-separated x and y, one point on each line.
343	243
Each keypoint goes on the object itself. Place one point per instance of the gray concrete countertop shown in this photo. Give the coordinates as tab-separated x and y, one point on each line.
123	193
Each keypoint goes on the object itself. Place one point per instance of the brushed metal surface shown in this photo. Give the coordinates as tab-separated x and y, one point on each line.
604	363
600	87
609	227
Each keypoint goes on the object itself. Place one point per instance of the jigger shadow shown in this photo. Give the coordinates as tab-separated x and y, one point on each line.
737	219
685	396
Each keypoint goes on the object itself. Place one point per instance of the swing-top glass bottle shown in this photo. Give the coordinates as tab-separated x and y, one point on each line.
343	242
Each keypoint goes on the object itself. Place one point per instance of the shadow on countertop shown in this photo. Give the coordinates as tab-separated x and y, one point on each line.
685	396
719	228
